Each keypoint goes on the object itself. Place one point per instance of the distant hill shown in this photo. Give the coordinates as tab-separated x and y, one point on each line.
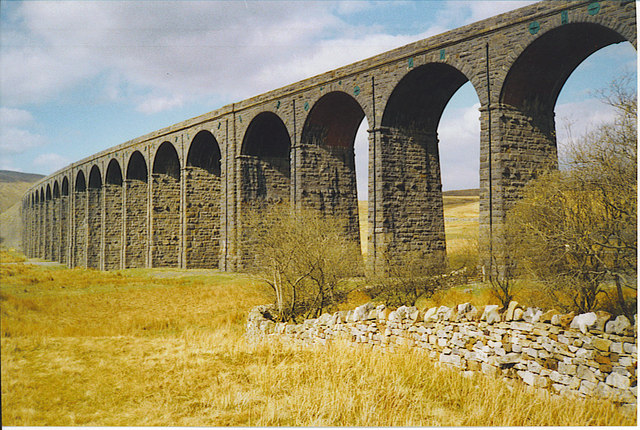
11	176
472	192
12	187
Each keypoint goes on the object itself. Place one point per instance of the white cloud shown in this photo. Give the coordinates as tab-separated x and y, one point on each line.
159	104
14	137
180	50
459	147
185	48
50	162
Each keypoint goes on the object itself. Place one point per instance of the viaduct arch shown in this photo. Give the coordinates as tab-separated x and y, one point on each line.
178	197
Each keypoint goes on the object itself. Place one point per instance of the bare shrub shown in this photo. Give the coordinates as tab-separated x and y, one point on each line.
306	258
577	228
409	277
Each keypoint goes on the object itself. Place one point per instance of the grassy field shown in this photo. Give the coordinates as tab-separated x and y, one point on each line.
460	220
166	348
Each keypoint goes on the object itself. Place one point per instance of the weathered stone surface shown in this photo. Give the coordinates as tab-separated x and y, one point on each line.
518	314
584	322
532	315
618	381
431	315
510	309
602	319
618	325
491	314
547	316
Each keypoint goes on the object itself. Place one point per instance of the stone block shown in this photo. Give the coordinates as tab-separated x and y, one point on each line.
584	322
510	309
601	344
618	325
618	381
547	316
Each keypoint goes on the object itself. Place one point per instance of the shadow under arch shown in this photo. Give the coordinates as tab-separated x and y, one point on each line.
327	159
413	217
94	219
135	214
203	199
65	216
79	232
113	216
165	202
265	177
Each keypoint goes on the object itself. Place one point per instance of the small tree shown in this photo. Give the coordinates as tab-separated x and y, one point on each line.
409	277
306	258
577	228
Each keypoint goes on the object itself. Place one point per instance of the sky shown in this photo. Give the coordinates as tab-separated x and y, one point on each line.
78	77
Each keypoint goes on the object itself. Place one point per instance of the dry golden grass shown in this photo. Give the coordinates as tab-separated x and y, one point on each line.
166	347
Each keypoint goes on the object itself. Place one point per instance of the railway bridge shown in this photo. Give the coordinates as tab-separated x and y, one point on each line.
177	197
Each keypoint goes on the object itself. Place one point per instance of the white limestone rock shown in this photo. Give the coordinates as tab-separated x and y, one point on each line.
583	322
431	315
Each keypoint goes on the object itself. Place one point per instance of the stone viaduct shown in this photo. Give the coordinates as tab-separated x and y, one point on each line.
176	197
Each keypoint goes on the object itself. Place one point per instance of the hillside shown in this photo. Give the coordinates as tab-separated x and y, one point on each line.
12	187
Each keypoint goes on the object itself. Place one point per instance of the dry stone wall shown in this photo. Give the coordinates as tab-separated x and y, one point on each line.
585	355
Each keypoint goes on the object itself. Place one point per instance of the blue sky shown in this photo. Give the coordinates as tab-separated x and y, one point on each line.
78	77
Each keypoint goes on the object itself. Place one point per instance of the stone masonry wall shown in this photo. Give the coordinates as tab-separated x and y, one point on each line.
136	223
64	229
80	221
94	221
113	226
514	61
265	183
55	229
328	183
586	355
166	221
203	198
46	233
411	218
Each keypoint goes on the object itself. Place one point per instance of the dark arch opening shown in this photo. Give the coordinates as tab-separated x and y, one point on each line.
41	194
411	172
328	142
333	121
114	174
266	170
420	97
537	76
95	180
137	167
65	186
48	193
37	197
81	183
166	161
205	153
267	138
56	190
